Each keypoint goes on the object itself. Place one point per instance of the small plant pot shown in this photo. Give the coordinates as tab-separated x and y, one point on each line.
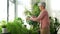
4	29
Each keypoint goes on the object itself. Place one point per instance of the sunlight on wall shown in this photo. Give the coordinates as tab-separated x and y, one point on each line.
55	4
55	8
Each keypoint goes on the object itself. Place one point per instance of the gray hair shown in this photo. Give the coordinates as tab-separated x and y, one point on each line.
42	3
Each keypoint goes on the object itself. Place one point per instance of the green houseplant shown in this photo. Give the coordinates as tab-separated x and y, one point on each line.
3	27
54	25
16	27
51	25
0	29
35	12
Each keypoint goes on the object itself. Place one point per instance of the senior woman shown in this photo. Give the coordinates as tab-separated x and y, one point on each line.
43	18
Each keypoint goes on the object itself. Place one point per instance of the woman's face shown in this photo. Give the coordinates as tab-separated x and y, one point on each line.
40	7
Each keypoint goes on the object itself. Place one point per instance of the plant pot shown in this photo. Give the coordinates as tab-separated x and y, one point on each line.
4	30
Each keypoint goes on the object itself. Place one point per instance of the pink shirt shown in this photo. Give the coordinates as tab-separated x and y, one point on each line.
43	18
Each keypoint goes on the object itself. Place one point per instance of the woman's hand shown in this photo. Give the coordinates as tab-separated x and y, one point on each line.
31	18
28	18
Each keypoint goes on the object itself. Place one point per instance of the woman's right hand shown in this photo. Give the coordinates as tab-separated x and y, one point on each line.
28	18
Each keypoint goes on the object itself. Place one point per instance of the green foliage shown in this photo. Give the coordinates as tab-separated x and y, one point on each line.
0	29
35	12
16	27
18	20
54	25
33	32
27	12
51	25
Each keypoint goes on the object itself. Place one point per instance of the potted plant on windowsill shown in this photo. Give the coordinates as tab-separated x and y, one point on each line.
4	29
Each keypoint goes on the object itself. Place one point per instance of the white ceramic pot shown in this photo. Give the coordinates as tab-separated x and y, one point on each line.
4	30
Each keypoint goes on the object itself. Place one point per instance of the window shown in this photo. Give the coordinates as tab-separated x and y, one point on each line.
21	7
11	11
22	4
3	10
